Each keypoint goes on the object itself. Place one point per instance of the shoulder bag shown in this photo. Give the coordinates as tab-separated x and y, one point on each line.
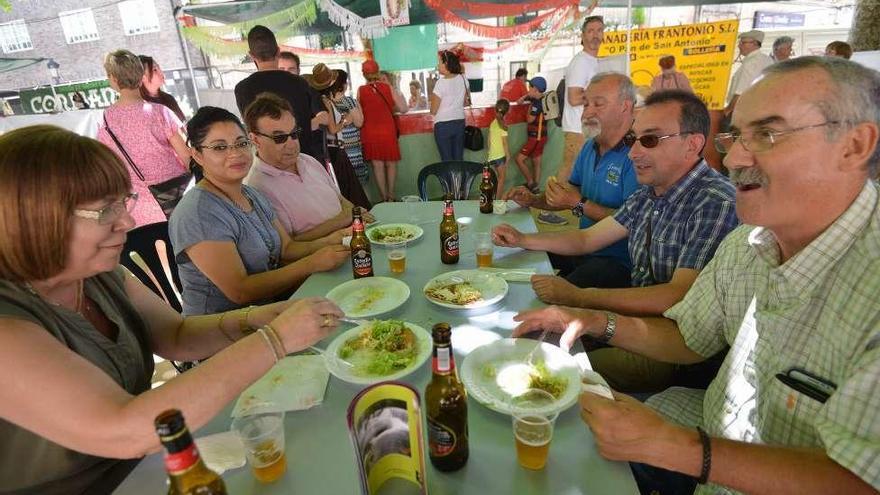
167	193
473	136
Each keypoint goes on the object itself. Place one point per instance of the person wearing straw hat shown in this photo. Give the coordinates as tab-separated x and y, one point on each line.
379	132
322	80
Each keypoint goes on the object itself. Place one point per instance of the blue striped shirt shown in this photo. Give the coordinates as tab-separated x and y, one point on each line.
686	224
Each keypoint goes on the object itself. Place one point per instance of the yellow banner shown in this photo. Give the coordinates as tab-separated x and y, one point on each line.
703	52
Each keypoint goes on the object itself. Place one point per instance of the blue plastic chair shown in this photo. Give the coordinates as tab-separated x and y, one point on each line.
455	177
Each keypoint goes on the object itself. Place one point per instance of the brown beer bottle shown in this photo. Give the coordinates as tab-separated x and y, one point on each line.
448	234
487	192
361	253
187	473
446	406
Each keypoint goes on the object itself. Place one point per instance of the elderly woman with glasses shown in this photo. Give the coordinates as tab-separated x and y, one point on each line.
230	247
79	332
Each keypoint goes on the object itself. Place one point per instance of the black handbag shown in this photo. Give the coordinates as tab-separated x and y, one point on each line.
167	193
473	136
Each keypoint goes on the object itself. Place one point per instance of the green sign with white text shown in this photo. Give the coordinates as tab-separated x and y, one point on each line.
45	99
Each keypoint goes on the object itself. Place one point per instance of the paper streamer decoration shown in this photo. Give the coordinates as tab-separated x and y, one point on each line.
365	27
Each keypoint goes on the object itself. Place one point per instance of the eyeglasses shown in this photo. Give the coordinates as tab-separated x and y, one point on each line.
110	213
760	140
281	138
240	146
648	140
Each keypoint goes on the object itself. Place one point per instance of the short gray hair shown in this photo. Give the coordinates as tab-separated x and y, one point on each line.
626	88
782	40
856	98
126	67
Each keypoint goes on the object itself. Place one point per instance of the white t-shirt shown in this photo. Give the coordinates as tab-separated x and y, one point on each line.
451	92
580	70
752	65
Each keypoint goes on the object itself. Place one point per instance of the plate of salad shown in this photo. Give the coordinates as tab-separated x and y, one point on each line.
390	233
377	351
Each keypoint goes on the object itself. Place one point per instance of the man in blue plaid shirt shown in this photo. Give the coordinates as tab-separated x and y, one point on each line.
674	224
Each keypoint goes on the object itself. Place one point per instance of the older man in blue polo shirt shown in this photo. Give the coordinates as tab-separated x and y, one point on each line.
674	225
602	177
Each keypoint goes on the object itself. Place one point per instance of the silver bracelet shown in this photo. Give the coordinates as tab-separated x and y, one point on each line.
610	327
267	339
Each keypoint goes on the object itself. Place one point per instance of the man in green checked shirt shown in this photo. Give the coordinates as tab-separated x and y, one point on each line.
794	293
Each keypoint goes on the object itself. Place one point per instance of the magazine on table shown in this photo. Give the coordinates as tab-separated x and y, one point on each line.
385	424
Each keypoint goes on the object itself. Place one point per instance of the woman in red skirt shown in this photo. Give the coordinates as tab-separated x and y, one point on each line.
379	132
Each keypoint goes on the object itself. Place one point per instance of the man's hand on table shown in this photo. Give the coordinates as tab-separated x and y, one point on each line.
627	430
570	322
521	195
505	235
553	289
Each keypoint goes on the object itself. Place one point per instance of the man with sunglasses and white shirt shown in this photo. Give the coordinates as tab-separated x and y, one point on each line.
793	293
674	223
303	195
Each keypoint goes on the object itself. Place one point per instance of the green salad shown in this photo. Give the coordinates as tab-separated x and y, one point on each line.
391	234
540	377
380	349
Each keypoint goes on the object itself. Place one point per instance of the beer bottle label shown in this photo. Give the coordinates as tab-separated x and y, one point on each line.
484	199
450	245
441	438
443	362
363	262
181	461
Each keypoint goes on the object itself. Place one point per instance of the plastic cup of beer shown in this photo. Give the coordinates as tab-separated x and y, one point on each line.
397	257
533	427
262	435
411	207
483	247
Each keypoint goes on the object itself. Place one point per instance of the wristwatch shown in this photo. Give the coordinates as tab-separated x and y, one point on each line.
578	209
610	327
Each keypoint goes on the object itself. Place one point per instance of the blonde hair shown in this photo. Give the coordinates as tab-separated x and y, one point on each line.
373	77
125	67
45	172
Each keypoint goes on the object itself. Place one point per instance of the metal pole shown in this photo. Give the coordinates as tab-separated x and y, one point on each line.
175	9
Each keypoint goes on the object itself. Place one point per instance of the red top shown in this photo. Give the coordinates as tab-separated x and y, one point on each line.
513	90
379	132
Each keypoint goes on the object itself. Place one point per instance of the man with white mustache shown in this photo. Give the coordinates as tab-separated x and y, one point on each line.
793	293
673	224
601	180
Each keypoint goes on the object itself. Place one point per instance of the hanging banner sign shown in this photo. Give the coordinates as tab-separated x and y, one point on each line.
98	94
394	12
703	52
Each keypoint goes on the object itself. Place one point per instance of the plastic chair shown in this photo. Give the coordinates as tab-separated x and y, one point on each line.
454	176
150	257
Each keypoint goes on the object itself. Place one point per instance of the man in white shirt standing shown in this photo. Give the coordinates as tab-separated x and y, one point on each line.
753	62
580	70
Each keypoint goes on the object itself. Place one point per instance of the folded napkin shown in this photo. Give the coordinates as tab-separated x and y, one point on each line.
590	380
221	451
294	383
512	274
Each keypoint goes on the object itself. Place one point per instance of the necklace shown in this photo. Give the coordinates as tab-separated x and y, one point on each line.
227	196
77	301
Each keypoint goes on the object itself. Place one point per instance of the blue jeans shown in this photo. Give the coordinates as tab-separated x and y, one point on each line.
450	139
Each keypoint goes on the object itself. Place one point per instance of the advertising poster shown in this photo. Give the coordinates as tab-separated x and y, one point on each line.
394	12
703	52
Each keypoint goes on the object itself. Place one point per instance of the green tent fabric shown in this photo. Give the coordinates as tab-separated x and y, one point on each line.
10	64
407	48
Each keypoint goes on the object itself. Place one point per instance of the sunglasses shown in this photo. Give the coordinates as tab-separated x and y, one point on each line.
648	140
281	138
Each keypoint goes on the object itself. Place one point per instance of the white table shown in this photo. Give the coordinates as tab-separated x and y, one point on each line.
82	122
320	455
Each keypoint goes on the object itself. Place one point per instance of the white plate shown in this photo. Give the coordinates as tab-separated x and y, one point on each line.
492	287
424	343
415	230
505	356
353	297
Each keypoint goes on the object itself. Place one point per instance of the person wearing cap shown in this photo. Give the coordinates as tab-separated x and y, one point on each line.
379	132
669	78
753	62
322	80
263	49
536	135
448	100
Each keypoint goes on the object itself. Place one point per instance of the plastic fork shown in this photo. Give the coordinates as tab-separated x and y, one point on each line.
532	352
